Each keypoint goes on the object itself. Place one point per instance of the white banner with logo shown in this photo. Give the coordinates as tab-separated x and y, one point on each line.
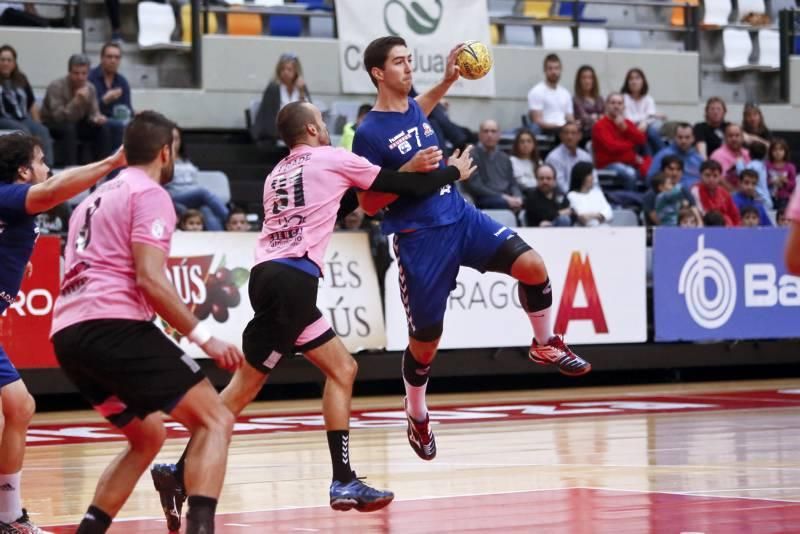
210	271
431	29
599	294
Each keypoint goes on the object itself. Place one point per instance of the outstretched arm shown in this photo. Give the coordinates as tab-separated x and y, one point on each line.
429	99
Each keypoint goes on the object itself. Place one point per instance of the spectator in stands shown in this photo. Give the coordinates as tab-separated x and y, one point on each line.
750	217
71	112
191	221
780	218
714	218
640	109
113	91
588	202
55	220
689	218
550	104
747	197
669	200
683	148
349	130
188	194
710	133
492	185
19	14
287	86
710	196
672	170
758	154
781	173
754	126
589	106
545	205
525	159
563	157
18	109
615	143
732	156
237	220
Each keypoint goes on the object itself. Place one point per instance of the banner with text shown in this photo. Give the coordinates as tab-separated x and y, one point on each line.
211	270
723	283
431	29
598	279
25	325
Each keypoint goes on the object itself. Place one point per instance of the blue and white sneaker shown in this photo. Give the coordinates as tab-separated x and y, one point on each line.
356	494
171	492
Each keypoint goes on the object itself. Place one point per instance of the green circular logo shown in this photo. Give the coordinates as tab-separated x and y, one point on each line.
417	18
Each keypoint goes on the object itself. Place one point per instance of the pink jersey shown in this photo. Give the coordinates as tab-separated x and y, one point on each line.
99	272
301	199
793	210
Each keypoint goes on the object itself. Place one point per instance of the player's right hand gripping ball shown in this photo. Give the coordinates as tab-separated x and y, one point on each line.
474	60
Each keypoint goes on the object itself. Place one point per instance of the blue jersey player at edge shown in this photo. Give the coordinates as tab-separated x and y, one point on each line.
435	235
24	192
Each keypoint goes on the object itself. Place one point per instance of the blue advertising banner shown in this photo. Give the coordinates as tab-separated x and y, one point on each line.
723	283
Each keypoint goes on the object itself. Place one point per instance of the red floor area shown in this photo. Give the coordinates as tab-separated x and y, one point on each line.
565	511
98	431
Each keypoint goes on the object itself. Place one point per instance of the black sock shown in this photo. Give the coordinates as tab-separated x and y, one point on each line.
414	372
339	445
200	517
95	521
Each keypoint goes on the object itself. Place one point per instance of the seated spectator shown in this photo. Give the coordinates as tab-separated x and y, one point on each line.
747	197
714	218
672	170
492	185
545	205
750	217
525	159
550	104
18	109
781	173
710	133
237	220
710	196
55	220
563	157
689	218
732	156
589	106
19	14
187	193
349	131
287	86
669	200
758	153
191	221
682	147
113	91
780	218
71	112
615	143
754	127
640	109
587	201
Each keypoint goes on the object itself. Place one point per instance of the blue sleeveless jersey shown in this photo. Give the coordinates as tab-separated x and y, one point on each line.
18	234
389	139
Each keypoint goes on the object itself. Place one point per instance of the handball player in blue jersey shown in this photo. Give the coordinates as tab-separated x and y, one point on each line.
435	235
24	192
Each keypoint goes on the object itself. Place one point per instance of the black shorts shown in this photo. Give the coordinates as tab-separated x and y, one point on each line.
125	368
285	303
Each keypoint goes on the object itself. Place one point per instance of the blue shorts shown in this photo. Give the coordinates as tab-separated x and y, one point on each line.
8	372
429	260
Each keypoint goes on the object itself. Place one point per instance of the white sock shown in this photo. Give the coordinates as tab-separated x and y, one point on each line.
10	502
542	326
416	400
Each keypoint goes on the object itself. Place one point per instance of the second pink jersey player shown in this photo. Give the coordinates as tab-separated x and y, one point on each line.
301	199
99	271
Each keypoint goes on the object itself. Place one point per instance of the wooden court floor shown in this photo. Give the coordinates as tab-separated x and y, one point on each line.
700	458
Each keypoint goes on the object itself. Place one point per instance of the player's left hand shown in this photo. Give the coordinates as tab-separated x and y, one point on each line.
451	71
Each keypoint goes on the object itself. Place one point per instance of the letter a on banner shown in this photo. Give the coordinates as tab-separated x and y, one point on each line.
580	272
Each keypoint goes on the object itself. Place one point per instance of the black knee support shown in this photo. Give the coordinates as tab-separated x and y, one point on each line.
536	298
414	372
511	249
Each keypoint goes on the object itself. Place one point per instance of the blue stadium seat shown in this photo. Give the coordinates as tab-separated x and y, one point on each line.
285	26
574	10
797	44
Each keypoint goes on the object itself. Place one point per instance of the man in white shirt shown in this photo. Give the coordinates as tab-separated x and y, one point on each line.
563	157
549	104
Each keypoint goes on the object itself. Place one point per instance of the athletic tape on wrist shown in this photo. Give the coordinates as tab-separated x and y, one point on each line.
199	335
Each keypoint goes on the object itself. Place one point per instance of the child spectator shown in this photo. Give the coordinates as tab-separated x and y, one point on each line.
237	221
781	173
711	196
758	153
747	196
689	218
714	218
191	221
750	217
669	200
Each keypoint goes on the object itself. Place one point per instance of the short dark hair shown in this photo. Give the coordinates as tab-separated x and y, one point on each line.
710	164
16	150
713	218
292	121
669	160
683	126
636	70
749	209
110	44
363	109
657	181
235	210
750	173
377	52
78	60
145	136
550	58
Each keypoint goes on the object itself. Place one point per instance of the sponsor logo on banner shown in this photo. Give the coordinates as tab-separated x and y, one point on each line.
598	282
25	325
424	25
723	283
211	270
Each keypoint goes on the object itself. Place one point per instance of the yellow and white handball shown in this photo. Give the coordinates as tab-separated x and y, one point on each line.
474	60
